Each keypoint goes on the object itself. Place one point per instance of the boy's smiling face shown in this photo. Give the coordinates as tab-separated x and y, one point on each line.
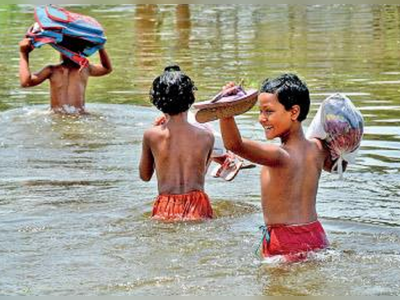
274	118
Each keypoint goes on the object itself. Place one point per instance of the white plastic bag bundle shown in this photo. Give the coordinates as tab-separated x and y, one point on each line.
340	125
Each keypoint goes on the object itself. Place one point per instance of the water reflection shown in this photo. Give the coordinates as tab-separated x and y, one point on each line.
183	25
147	41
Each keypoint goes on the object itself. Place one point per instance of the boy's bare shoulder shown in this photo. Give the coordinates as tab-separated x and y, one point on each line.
317	143
153	132
319	147
203	133
53	66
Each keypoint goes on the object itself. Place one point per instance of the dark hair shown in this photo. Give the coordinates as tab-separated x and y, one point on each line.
75	44
290	91
172	91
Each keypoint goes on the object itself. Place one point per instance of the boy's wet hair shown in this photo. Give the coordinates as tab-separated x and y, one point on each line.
172	91
74	44
290	91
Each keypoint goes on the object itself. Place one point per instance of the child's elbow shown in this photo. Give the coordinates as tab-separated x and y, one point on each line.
25	84
108	70
145	178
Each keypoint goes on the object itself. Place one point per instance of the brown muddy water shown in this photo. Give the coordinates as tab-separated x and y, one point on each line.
74	216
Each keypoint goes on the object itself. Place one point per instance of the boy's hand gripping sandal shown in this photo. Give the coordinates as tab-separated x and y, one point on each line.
230	167
231	102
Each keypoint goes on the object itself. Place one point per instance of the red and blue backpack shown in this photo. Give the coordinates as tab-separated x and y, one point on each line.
74	35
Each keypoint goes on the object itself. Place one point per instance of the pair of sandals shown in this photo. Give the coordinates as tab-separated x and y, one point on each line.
230	167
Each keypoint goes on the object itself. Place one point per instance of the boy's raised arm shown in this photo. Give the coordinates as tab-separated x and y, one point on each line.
104	67
25	76
146	166
256	152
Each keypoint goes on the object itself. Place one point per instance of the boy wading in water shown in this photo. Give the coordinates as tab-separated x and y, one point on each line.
68	80
178	151
290	171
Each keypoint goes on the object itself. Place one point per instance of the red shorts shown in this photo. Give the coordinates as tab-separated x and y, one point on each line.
187	207
293	241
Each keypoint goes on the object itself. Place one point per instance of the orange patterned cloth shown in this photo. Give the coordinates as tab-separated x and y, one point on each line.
186	207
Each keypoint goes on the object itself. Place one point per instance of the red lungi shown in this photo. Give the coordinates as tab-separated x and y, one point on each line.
186	207
293	241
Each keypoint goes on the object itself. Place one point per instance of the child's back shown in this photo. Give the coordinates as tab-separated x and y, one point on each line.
178	151
181	153
68	80
67	87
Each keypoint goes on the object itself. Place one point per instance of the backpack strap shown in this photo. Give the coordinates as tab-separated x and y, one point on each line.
75	57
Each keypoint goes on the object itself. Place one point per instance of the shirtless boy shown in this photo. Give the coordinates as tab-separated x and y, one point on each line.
290	171
178	151
67	80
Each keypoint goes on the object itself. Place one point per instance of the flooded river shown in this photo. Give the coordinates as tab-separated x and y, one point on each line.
74	215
